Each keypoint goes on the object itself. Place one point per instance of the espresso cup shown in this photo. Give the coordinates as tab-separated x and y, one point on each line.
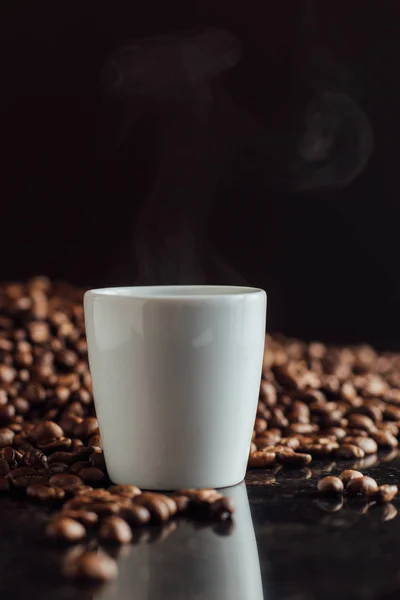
176	373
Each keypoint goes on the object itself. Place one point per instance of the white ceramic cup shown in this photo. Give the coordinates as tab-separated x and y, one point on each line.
176	374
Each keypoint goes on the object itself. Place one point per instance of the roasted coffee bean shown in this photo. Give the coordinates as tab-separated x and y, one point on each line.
115	530
7	413
349	451
83	453
293	459
330	485
9	455
86	517
56	468
95	442
78	466
156	504
362	422
136	515
39	332
91	566
65	529
6	437
367	444
261	460
91	475
349	474
366	486
385	493
385	439
303	428
35	459
319	450
54	445
21	471
45	493
48	430
182	503
260	425
103	509
65	480
127	491
268	393
86	428
24	481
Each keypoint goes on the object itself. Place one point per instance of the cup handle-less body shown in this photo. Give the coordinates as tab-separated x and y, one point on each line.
176	380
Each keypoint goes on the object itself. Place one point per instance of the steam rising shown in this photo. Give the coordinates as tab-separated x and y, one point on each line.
176	77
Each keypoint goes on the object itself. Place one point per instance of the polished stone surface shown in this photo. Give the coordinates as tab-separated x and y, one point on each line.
286	543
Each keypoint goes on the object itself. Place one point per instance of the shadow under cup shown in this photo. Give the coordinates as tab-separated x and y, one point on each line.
176	374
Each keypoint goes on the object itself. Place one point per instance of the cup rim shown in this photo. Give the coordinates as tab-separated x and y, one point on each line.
181	292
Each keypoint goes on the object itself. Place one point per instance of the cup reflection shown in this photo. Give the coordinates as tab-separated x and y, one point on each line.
218	562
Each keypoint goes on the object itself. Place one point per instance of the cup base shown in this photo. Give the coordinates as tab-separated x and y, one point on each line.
165	486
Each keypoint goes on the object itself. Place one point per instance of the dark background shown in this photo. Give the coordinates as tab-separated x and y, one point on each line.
69	195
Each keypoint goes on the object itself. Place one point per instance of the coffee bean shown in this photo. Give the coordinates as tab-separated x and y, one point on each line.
347	475
65	529
261	460
260	425
6	437
86	517
268	393
102	509
48	430
86	428
366	486
65	480
368	445
7	413
385	439
385	493
8	454
78	466
293	459
182	503
45	493
56	468
54	445
91	475
362	422
330	485
155	504
127	491
92	566
35	459
24	481
115	530
347	451
136	515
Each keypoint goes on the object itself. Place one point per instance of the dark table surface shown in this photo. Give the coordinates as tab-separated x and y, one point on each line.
285	543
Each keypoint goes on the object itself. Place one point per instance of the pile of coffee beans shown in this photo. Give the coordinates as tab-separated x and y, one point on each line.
316	402
321	402
354	483
50	447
